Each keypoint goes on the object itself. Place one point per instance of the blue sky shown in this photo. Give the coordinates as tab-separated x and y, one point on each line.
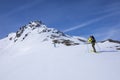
100	18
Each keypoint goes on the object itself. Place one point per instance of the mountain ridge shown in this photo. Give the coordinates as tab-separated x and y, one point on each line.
37	31
37	27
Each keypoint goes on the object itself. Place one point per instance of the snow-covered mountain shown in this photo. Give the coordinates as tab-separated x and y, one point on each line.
36	52
37	28
37	31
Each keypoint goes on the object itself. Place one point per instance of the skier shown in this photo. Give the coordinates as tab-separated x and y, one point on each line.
92	40
55	42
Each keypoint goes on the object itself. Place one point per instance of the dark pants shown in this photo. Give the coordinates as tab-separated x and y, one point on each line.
93	46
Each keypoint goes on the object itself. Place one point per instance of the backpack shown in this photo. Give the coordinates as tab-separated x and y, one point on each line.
93	39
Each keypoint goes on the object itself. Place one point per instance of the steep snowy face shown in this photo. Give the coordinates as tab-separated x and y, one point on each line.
25	31
37	31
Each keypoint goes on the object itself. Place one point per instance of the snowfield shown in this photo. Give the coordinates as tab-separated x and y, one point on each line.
45	62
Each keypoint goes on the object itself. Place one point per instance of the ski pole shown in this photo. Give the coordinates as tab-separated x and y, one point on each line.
98	46
87	48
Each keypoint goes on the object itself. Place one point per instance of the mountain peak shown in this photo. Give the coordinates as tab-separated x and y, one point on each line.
26	29
34	24
37	30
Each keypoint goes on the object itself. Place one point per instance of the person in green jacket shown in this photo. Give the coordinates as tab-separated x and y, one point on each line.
92	40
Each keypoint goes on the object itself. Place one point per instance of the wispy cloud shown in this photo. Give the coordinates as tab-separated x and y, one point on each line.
111	11
107	9
90	22
20	8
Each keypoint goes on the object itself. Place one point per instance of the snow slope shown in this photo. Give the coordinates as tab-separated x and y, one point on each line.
35	59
